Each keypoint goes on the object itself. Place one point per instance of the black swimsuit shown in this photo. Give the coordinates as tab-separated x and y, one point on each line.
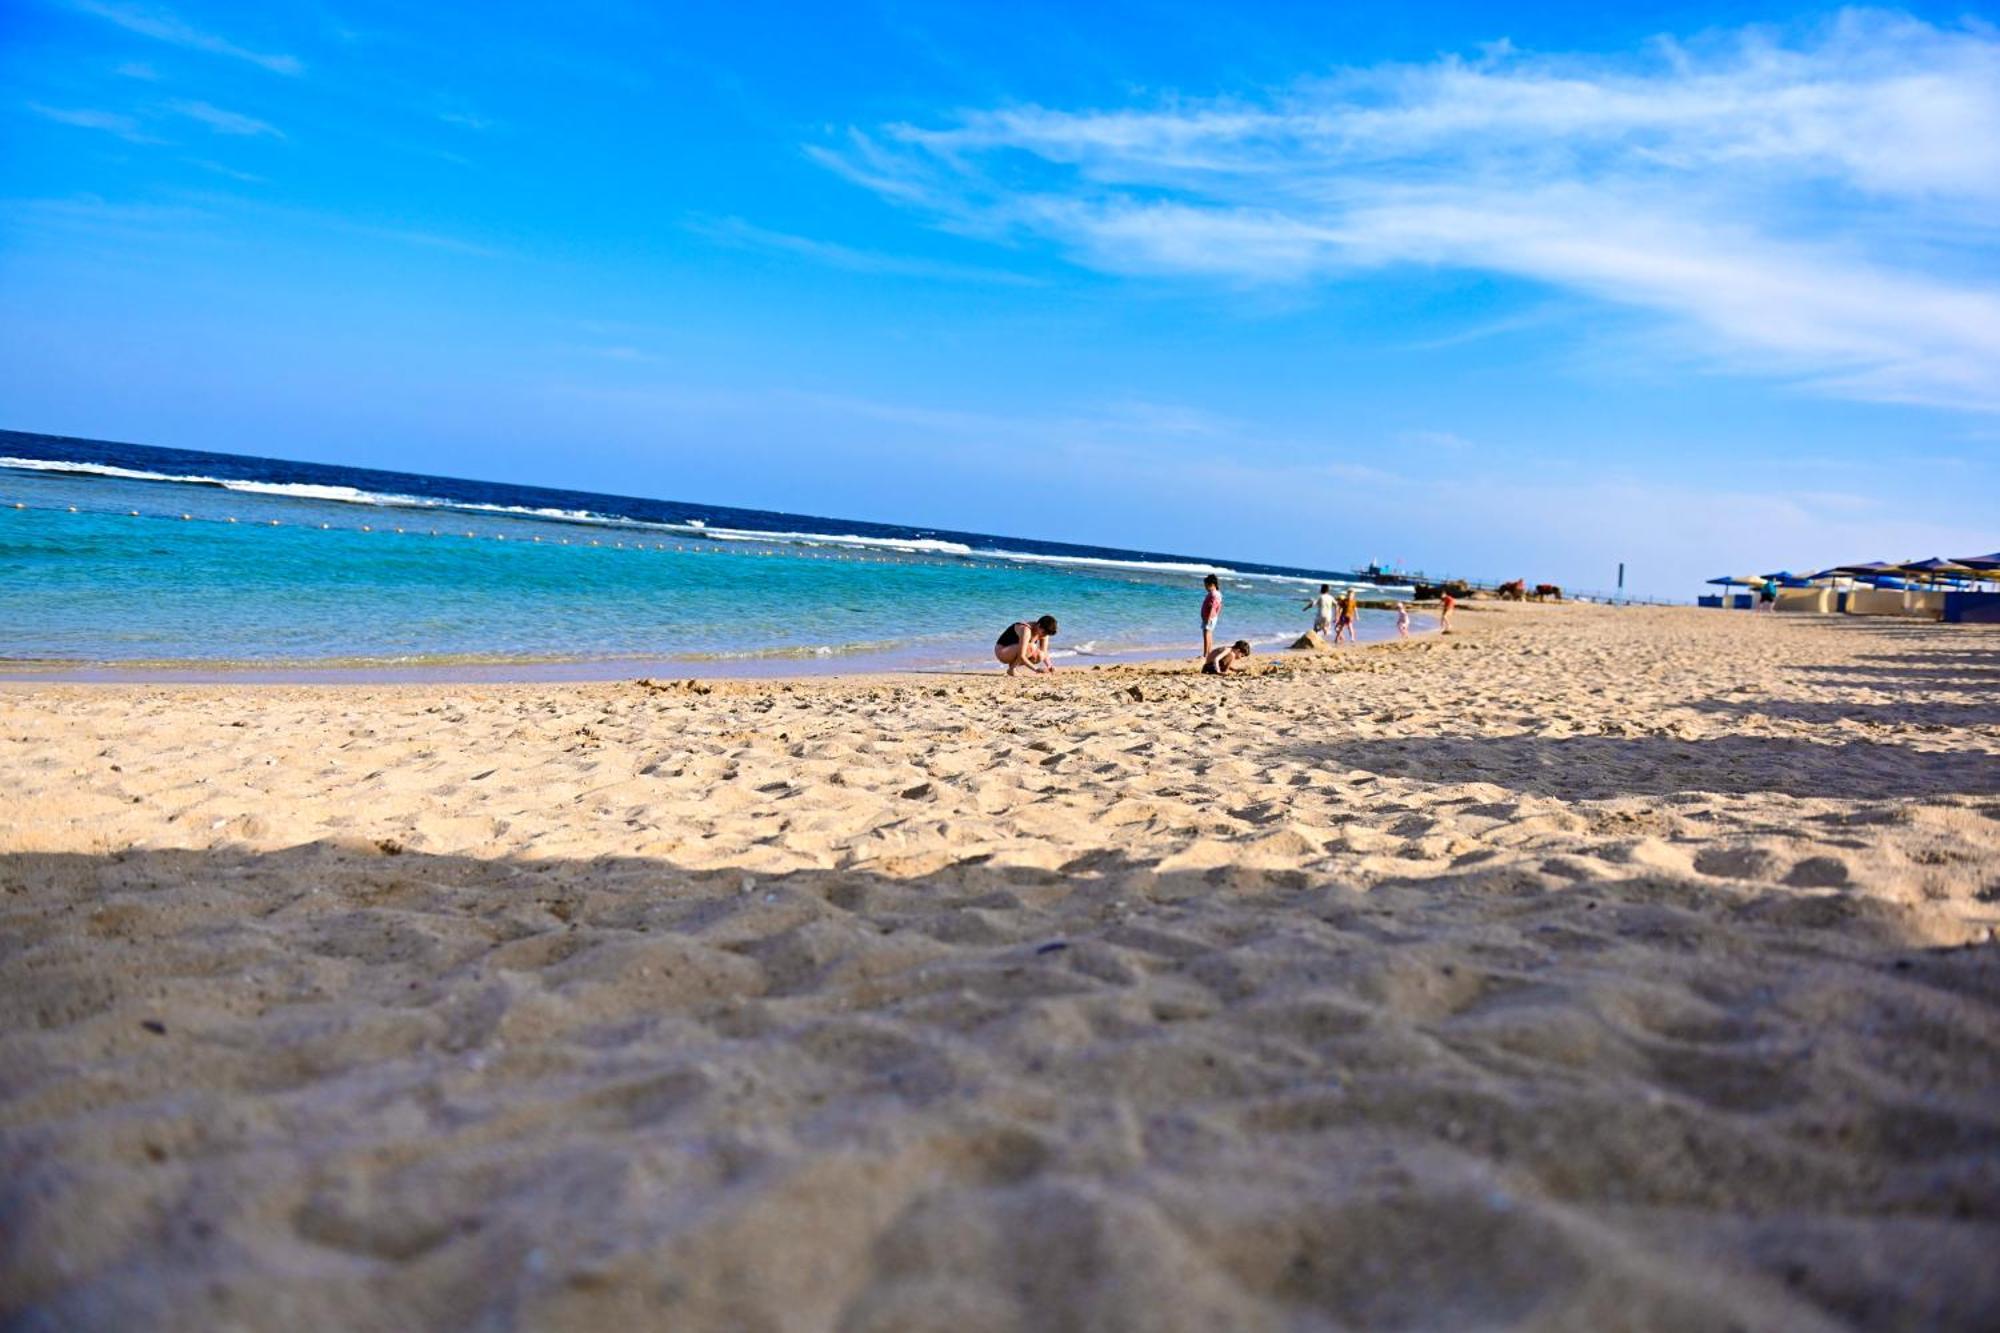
1009	636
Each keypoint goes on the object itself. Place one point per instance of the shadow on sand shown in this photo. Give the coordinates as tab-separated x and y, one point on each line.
1606	767
332	1087
1927	715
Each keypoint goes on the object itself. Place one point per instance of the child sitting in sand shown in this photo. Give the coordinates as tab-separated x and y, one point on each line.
1026	643
1223	660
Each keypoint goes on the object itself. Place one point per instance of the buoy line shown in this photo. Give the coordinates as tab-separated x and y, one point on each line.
676	548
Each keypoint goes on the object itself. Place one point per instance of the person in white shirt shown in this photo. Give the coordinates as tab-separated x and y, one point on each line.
1322	609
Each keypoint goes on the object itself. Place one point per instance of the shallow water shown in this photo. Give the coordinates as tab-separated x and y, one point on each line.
99	566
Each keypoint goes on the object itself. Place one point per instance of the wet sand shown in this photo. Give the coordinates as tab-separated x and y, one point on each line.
1585	968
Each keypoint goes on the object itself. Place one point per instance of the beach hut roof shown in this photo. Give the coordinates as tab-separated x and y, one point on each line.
1989	561
1739	580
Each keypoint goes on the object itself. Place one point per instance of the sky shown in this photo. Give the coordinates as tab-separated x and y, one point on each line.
1489	290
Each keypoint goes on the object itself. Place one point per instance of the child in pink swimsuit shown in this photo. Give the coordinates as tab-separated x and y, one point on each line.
1211	611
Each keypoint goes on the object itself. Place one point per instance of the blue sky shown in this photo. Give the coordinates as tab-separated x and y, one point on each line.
1497	290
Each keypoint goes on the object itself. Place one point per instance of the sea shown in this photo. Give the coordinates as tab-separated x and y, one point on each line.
125	561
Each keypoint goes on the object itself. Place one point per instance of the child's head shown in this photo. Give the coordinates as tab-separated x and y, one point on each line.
1211	582
1242	647
1326	587
1047	625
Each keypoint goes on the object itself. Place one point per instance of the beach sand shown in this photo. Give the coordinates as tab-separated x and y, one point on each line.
1585	969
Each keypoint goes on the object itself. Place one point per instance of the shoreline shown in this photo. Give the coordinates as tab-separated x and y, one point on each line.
584	671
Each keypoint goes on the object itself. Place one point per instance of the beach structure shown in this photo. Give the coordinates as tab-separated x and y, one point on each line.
1728	600
1933	589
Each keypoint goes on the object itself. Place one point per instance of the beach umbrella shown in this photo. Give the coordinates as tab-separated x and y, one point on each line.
1738	581
1989	563
1936	568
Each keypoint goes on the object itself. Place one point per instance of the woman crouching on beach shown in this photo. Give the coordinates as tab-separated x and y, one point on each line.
1026	644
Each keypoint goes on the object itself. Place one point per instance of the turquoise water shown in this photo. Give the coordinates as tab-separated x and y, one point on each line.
316	590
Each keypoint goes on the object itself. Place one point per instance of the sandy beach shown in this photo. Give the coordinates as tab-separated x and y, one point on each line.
1588	968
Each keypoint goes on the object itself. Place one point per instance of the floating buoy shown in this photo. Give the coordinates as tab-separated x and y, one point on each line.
399	532
232	520
324	526
72	509
366	528
186	517
274	522
537	541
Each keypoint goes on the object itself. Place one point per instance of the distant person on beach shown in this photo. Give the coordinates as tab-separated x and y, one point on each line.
1349	604
1402	621
1211	611
1445	604
1767	595
1221	661
1025	643
1322	609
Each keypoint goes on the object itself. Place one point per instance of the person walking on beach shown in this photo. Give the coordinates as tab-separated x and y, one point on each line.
1767	595
1211	611
1402	621
1445	604
1025	643
1349	605
1222	661
1322	609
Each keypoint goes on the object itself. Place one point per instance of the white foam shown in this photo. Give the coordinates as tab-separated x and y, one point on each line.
94	469
905	545
299	490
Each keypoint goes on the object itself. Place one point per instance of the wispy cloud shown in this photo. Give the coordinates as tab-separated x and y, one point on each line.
137	69
429	240
224	122
1818	205
110	122
465	120
167	26
222	170
746	236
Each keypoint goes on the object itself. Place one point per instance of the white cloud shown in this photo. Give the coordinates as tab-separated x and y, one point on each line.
1820	206
110	122
744	235
166	26
224	122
